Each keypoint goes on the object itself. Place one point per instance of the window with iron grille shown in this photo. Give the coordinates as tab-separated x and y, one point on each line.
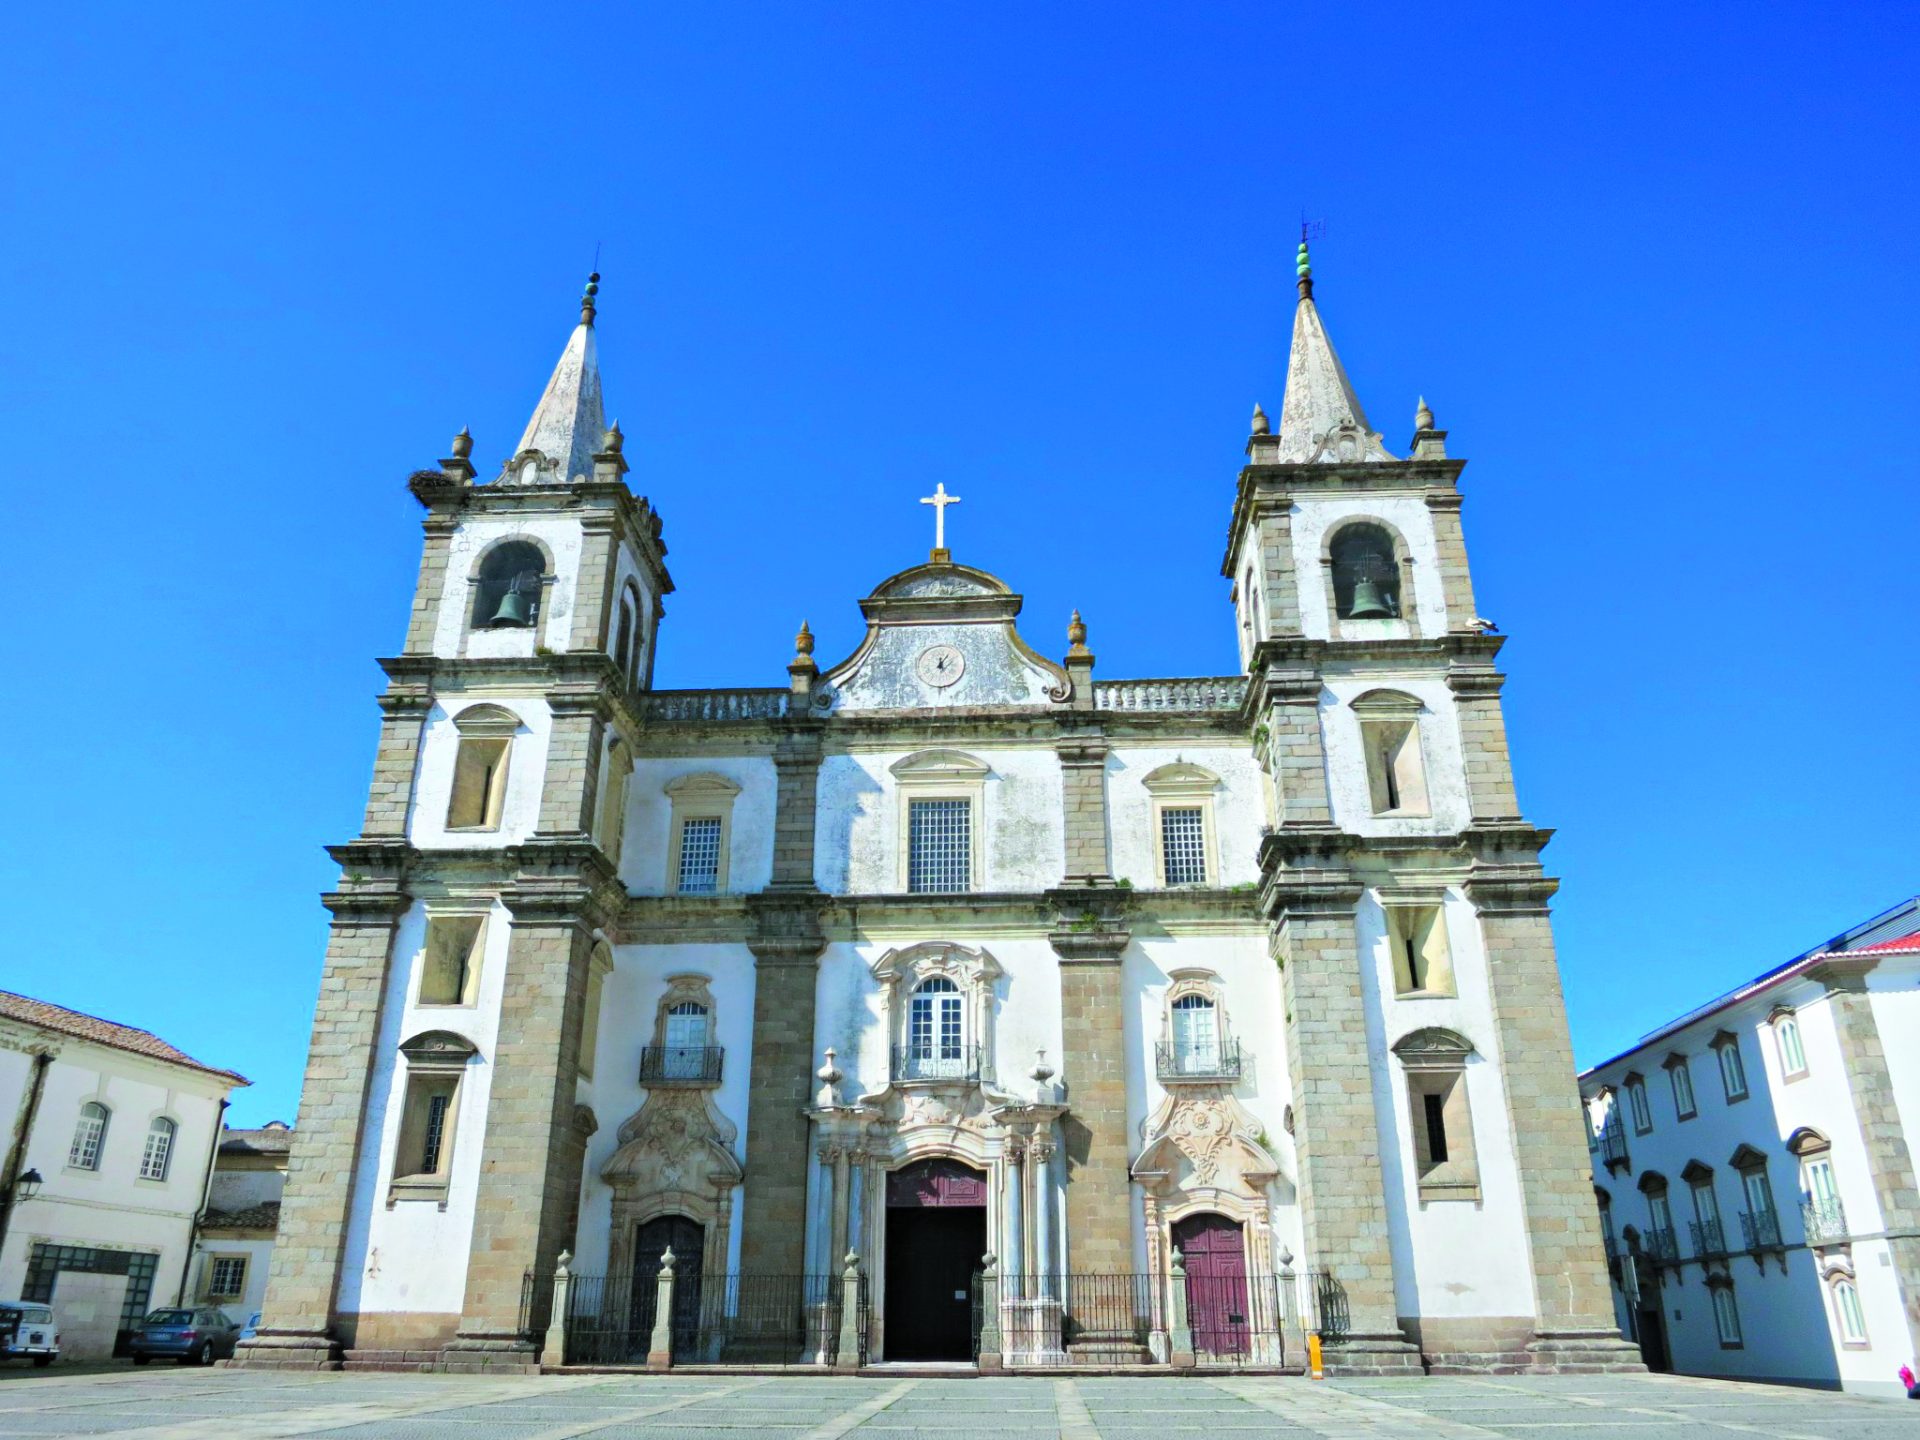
700	855
88	1136
159	1151
434	1133
228	1280
939	845
1183	845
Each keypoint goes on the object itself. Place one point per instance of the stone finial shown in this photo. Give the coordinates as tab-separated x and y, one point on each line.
802	648
1423	417
615	441
1261	425
666	1261
1077	635
586	298
566	1259
1041	1072
829	1074
463	443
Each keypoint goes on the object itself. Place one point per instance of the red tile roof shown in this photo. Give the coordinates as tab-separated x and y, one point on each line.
1899	945
103	1032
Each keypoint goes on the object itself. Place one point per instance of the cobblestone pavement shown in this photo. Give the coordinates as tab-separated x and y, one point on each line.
255	1405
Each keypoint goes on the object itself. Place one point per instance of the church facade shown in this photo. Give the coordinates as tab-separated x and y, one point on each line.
948	965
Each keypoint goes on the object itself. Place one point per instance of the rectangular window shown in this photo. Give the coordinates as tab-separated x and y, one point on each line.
426	1135
1442	1127
434	1133
1683	1090
479	783
1183	845
1436	1107
227	1277
1793	1059
1726	1317
1733	1071
1422	960
1847	1309
450	965
699	855
1396	780
939	846
1642	1112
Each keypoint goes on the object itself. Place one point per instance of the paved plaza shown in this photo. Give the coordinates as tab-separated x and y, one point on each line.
251	1405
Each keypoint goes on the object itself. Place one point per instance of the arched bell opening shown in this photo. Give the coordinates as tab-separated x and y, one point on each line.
1366	573
507	591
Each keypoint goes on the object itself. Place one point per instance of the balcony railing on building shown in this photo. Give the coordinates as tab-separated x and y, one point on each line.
1708	1241
935	1061
1760	1229
1825	1220
681	1064
1185	1060
1660	1244
1613	1145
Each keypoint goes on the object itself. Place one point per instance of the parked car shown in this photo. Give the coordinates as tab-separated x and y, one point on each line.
252	1327
199	1336
28	1331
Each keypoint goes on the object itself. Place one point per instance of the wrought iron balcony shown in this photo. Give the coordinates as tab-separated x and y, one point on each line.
1760	1229
1177	1061
681	1064
1707	1238
935	1062
1613	1146
1825	1220
1612	1247
1660	1244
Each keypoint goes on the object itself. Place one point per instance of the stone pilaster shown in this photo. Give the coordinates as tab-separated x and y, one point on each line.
1298	749
1574	1318
593	582
1456	581
431	590
530	1158
786	954
1090	942
1483	742
1279	575
303	1283
403	715
796	761
1083	781
1888	1156
570	784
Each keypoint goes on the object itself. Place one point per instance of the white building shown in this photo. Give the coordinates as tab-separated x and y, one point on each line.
1754	1166
946	950
111	1141
243	1212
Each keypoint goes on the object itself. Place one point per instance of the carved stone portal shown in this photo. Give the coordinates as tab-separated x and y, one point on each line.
675	1158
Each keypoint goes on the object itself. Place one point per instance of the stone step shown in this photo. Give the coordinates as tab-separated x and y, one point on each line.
391	1360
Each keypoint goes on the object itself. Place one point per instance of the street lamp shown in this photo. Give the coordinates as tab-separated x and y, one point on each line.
28	1185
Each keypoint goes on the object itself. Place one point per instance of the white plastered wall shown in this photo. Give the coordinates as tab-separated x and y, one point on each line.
1407	514
857	835
433	777
1445	767
1239	809
412	1256
561	539
628	1005
646	846
1451	1258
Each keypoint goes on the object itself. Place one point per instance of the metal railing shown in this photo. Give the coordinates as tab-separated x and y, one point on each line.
536	1306
681	1064
934	1062
1707	1238
1201	693
1825	1220
1176	1061
1760	1229
1613	1144
735	1319
1659	1244
682	706
1050	1321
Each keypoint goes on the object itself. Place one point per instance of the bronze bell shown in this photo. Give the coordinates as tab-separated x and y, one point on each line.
513	608
1368	602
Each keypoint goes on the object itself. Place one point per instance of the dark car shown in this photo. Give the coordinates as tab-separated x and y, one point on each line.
200	1336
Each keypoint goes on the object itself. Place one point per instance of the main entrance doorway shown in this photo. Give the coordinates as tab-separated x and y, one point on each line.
936	1236
687	1239
1214	1249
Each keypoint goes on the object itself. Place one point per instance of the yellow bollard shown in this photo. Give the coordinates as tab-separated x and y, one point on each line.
1313	1358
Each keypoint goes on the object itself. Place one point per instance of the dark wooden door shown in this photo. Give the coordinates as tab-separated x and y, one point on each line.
936	1236
1216	1258
688	1240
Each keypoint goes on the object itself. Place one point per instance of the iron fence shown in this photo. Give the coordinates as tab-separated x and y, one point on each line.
935	1062
1178	1060
681	1064
1327	1306
1760	1229
1130	1319
734	1319
1707	1239
1824	1220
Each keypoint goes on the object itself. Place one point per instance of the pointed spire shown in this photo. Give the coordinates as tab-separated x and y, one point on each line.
1320	416
568	424
1261	425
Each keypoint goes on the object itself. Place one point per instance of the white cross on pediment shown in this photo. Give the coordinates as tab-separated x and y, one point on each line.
940	499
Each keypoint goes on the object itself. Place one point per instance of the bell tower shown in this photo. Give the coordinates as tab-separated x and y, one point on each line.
489	852
1405	898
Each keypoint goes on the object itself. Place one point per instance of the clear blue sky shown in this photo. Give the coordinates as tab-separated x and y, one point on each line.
1653	266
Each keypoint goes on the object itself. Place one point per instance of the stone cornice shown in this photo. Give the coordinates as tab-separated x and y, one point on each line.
633	514
1290	669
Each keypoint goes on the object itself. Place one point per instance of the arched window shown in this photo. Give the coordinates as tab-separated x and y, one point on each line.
688	1034
1366	577
89	1136
623	639
1848	1312
1196	1035
158	1155
937	1030
508	593
1786	1036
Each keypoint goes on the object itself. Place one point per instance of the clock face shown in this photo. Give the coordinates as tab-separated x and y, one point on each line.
940	665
